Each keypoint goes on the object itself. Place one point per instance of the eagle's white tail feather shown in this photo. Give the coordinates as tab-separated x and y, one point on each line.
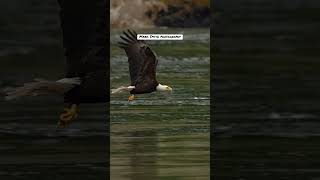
41	87
121	89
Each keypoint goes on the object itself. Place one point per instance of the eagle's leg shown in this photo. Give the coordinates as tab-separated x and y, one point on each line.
69	114
131	97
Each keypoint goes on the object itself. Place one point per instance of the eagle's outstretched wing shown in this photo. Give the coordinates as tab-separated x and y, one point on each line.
85	39
142	60
83	24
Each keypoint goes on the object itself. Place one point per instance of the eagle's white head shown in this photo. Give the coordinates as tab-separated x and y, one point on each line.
161	87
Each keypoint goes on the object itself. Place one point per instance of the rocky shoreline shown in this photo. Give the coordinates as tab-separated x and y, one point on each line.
164	13
179	16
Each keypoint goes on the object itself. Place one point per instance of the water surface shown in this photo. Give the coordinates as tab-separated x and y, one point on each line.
266	90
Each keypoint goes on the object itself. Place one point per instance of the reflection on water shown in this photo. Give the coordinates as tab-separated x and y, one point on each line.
143	148
160	135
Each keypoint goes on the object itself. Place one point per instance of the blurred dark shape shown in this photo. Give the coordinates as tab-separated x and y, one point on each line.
85	41
185	13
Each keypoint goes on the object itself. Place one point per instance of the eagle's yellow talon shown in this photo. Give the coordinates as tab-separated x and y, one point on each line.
131	97
68	115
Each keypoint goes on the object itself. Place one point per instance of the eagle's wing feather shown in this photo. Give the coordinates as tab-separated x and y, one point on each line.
142	60
148	69
84	24
84	36
42	87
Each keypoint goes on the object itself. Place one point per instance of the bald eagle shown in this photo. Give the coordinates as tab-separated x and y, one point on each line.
142	66
85	39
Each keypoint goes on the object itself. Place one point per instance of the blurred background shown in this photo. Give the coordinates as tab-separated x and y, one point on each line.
266	89
159	13
159	135
32	147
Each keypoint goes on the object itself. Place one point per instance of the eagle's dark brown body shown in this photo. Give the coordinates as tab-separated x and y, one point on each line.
142	63
146	86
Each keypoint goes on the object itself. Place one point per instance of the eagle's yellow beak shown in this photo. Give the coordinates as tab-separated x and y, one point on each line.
169	88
